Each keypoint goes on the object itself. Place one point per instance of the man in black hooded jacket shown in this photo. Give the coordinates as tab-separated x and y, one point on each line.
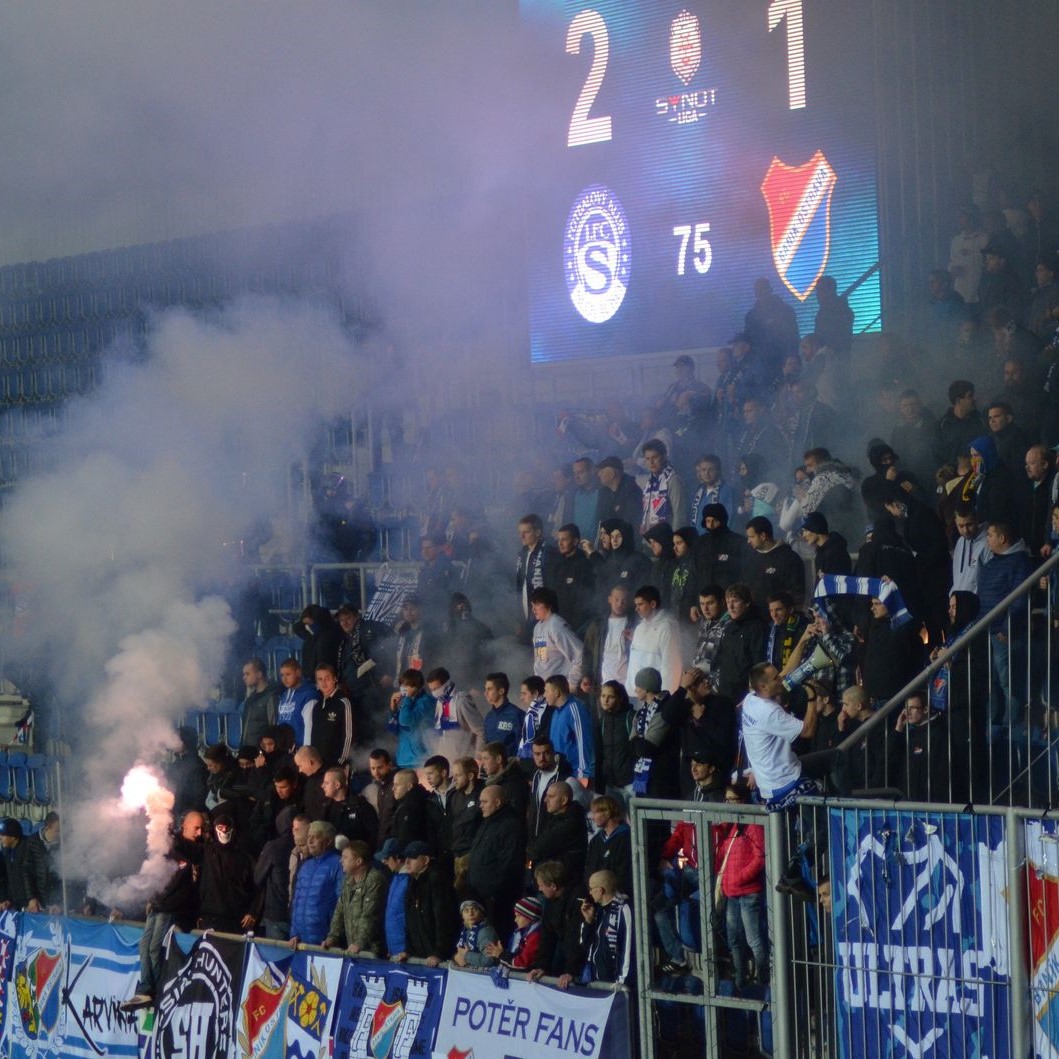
719	551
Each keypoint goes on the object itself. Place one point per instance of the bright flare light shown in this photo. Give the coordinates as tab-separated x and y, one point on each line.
143	789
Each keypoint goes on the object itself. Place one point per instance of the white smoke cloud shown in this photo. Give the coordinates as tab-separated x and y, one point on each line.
120	544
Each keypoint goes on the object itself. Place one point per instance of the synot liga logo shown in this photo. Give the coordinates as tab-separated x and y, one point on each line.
597	254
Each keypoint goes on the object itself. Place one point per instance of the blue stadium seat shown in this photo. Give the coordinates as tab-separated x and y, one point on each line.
212	728
20	776
231	716
40	775
278	649
7	790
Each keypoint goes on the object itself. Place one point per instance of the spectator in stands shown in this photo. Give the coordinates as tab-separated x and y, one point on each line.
892	656
497	770
12	894
609	637
659	541
713	489
708	727
536	720
411	716
556	648
965	254
224	781
297	701
771	567
994	497
411	821
960	425
971	552
610	848
176	903
621	564
877	488
394	916
613	728
379	789
742	645
585	497
360	653
418	640
770	324
329	727
317	887
923	751
1006	570
561	834
663	490
574	579
521	951
320	637
656	737
437	578
1000	285
760	437
739	863
300	833
785	630
1010	439
349	814
868	765
570	729
356	925
503	722
656	640
476	937
1033	494
536	561
310	764
226	888
259	705
620	497
458	727
551	768
1040	317
769	733
497	857
708	771
607	931
711	618
464	811
679	867
286	792
837	666
832	549
272	877
560	953
833	325
186	773
914	434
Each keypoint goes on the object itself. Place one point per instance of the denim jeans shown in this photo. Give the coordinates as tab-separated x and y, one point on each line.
666	909
274	930
745	926
151	941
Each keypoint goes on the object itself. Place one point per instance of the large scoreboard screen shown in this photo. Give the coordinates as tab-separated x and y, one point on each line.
689	147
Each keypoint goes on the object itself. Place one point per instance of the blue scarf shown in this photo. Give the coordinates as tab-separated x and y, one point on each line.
886	591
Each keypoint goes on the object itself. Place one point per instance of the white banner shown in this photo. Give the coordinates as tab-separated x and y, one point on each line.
524	1021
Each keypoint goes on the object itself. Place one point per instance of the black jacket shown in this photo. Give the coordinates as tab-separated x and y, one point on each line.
560	951
891	659
626	502
778	570
180	896
562	837
575	586
226	890
612	854
430	914
319	647
355	818
464	818
742	646
498	856
410	823
614	756
719	557
37	875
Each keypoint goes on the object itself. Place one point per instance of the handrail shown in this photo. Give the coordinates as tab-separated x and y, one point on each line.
881	715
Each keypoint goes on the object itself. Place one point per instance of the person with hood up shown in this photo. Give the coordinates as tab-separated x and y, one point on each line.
720	552
683	576
659	539
878	487
226	887
622	563
320	635
994	498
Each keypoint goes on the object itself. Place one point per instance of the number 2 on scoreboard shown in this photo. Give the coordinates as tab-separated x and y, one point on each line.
701	251
584	129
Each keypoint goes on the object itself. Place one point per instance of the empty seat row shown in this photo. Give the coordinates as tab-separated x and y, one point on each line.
222	722
26	778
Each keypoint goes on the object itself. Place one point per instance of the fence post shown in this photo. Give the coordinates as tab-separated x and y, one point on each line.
782	1008
1020	1005
641	933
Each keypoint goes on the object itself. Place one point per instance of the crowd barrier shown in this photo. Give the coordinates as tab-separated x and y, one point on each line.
62	981
940	937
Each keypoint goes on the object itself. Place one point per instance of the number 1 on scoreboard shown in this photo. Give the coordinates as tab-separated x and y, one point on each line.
791	10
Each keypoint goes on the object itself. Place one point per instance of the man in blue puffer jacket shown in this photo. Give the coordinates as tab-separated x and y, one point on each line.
317	887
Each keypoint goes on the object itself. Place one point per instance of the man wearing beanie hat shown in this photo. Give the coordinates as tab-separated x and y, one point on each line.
656	738
719	551
430	908
832	549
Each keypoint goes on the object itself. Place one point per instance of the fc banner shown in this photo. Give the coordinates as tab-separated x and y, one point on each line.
525	1019
921	934
63	982
287	1004
1042	900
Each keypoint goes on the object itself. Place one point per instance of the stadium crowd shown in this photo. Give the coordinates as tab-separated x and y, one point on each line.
742	575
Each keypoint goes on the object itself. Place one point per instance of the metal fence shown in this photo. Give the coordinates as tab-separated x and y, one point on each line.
929	931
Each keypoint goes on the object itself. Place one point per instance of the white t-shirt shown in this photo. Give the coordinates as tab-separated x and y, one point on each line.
615	664
768	732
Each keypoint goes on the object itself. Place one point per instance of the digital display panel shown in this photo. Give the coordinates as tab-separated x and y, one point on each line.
689	148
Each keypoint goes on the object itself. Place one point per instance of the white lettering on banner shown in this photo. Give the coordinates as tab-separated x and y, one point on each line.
912	978
495	1023
192	1037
